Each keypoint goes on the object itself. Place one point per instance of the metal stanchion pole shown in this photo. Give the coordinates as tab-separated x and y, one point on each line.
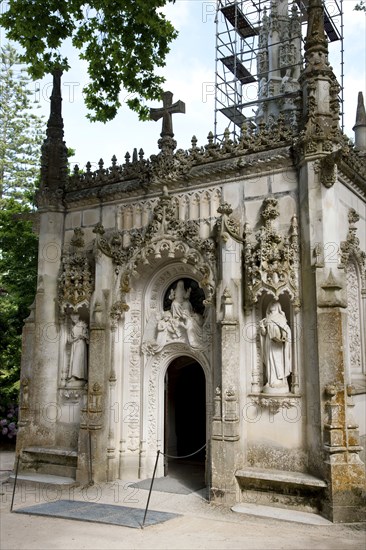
151	485
15	483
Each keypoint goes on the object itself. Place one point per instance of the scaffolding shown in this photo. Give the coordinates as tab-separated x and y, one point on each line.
237	46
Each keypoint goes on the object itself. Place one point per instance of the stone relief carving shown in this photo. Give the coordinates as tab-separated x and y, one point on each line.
78	339
271	267
276	349
75	283
271	263
165	236
179	323
272	260
353	261
275	404
354	320
350	248
155	372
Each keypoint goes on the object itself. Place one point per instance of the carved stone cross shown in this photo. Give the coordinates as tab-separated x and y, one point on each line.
166	112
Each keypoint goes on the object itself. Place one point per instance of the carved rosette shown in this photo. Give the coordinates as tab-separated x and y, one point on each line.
75	283
272	259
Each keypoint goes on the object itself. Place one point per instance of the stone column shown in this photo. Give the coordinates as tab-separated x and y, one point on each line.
344	470
44	371
93	437
332	436
226	449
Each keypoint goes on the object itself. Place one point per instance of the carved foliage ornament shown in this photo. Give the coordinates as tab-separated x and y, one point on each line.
75	283
164	236
271	261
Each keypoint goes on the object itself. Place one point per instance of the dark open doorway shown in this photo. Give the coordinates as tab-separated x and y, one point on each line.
185	420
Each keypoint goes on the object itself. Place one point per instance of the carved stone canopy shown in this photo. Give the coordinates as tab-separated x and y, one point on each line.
271	261
75	282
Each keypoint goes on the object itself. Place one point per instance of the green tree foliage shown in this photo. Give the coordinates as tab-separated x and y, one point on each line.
21	131
361	6
18	272
123	42
20	140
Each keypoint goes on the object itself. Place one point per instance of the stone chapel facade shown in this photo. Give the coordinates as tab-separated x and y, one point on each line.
235	272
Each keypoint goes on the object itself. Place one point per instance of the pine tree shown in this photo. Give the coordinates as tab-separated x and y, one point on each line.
21	131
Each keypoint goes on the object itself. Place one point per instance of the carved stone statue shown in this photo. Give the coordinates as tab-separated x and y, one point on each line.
276	348
181	306
178	324
79	337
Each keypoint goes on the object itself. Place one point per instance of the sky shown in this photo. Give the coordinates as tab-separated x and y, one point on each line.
190	75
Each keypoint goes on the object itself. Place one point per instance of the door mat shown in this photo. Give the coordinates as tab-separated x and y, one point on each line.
97	513
169	484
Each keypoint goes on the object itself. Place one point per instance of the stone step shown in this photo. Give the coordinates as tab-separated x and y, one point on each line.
56	461
57	451
44	479
280	513
281	489
295	479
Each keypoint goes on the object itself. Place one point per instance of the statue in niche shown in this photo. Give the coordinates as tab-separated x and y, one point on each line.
79	338
181	306
183	316
180	322
276	348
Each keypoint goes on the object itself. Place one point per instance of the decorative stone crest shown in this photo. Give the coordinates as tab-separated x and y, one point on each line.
271	261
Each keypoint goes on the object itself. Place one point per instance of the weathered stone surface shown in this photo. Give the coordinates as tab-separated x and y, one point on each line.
185	262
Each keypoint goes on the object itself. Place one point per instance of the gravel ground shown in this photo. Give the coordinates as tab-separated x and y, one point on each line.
200	525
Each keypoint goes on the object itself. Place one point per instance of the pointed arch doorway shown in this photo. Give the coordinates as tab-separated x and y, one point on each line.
185	421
